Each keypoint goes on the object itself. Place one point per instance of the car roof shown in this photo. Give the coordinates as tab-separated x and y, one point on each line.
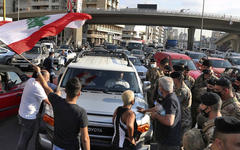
132	56
215	58
176	55
4	68
102	63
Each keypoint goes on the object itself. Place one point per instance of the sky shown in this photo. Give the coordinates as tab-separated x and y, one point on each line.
219	7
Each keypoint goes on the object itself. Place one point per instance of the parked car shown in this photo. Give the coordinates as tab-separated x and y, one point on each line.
196	56
124	51
142	70
235	60
36	55
176	58
138	53
6	56
219	65
111	47
94	69
12	84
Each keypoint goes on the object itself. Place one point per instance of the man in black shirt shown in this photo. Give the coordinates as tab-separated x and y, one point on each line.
48	65
169	123
69	118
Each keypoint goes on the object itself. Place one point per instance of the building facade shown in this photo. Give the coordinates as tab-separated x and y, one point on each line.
100	34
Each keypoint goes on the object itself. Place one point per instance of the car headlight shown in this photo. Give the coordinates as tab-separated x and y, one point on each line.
14	59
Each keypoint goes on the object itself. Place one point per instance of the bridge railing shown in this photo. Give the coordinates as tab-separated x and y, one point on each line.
166	12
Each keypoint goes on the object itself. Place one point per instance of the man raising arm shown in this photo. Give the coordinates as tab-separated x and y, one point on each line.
67	122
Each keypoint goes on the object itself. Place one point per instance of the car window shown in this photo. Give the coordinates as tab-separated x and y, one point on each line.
235	61
136	61
220	63
97	79
2	51
188	63
14	77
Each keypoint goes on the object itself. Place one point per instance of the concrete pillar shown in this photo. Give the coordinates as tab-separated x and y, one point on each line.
191	32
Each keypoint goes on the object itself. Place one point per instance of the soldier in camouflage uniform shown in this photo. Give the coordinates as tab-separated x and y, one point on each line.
230	106
163	63
199	87
226	134
185	97
210	108
188	79
153	74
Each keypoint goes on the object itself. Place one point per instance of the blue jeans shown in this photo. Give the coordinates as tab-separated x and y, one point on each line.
27	129
56	148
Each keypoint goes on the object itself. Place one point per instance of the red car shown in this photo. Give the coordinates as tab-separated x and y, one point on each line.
219	65
12	81
176	58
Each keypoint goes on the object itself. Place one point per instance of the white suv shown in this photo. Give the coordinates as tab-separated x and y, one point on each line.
94	69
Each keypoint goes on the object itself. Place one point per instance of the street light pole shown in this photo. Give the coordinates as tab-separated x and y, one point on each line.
18	8
200	43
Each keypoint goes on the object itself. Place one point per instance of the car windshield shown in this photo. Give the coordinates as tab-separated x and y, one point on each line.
64	46
48	46
111	47
127	52
220	63
235	61
196	56
135	61
137	52
99	80
34	50
188	63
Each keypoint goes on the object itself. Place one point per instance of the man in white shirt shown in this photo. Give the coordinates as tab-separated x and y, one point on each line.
117	81
33	95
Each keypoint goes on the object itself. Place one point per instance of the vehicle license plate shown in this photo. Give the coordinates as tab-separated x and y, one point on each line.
24	65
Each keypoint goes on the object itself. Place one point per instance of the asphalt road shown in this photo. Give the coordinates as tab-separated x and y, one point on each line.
9	134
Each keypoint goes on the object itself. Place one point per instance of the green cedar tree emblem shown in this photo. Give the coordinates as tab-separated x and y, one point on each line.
34	22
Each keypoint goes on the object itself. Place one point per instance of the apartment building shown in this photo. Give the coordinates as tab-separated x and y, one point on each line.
99	34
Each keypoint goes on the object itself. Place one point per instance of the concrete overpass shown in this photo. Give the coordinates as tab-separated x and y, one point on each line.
153	18
229	41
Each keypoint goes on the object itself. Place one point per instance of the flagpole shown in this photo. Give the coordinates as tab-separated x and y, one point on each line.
25	59
4	10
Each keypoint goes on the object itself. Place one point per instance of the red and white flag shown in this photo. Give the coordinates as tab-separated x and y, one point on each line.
22	35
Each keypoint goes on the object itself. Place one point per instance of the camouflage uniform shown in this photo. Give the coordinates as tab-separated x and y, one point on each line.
208	129
231	107
189	81
185	97
152	75
200	87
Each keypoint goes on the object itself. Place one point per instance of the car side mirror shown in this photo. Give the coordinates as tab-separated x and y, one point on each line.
146	85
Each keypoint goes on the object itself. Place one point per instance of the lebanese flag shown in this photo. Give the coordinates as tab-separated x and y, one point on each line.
22	35
4	22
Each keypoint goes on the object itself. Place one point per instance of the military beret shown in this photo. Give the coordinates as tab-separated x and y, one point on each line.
164	61
178	67
224	82
227	124
210	99
167	67
152	60
175	75
207	63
